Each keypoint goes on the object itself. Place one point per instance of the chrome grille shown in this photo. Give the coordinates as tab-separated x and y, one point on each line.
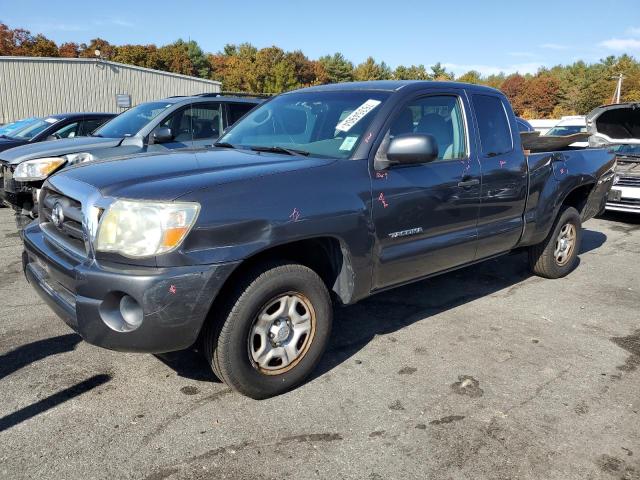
61	220
628	181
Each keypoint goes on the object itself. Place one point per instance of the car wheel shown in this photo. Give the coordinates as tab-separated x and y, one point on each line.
557	255
272	332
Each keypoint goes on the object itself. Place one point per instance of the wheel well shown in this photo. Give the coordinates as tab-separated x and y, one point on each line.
324	255
577	198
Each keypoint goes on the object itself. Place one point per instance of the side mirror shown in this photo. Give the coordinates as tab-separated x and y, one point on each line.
162	135
412	148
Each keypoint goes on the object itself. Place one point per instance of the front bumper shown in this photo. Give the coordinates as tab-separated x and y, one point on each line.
624	199
175	301
17	195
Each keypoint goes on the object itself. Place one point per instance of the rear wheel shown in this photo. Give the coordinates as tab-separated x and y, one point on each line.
557	255
272	332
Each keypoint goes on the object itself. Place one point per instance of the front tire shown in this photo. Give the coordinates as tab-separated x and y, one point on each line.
272	331
557	255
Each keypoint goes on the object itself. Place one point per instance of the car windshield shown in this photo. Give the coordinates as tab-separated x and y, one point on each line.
315	123
10	128
626	149
563	131
34	128
129	123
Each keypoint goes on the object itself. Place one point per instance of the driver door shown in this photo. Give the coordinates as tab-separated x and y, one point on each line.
425	215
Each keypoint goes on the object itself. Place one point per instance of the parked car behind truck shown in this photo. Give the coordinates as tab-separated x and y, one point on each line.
322	195
618	127
160	126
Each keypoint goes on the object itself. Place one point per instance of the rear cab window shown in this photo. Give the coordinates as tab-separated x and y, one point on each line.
493	125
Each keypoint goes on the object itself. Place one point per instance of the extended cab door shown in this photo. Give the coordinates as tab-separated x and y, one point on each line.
504	175
425	215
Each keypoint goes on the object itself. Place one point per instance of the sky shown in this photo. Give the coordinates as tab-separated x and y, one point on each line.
485	35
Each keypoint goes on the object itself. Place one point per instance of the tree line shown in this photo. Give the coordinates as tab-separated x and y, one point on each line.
550	93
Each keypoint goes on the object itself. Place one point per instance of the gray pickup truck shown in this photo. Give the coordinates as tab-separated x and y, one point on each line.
318	197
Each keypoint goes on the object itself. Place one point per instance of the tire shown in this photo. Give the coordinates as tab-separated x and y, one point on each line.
548	259
271	300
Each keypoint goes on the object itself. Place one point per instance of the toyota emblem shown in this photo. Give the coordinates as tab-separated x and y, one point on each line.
57	215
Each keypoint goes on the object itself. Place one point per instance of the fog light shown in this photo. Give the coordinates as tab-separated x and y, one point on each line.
121	312
131	312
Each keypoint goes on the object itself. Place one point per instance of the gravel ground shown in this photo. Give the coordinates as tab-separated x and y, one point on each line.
486	372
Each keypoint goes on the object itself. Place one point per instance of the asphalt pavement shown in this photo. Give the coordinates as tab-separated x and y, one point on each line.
486	372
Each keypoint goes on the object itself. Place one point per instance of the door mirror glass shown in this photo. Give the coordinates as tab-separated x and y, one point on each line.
162	135
411	148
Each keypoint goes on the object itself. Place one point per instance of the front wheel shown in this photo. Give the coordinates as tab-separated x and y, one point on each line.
557	255
272	332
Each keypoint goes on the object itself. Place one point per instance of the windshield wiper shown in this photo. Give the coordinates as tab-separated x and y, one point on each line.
223	145
277	149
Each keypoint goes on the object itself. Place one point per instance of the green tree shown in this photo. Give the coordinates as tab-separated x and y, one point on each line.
440	73
471	76
414	72
337	68
370	70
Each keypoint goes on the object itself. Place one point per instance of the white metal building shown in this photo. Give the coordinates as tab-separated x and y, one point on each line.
36	86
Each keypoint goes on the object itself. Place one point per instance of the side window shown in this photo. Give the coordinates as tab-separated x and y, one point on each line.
440	116
206	121
88	126
68	131
237	110
493	124
180	124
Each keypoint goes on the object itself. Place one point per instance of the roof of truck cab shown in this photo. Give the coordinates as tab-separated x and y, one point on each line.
394	86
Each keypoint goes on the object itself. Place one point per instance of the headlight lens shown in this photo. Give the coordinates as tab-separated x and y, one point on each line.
81	157
37	169
41	168
144	229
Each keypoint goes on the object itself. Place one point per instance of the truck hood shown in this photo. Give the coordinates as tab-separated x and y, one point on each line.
168	176
55	148
614	124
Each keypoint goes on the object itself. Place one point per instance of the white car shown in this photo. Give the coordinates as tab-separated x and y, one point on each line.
568	126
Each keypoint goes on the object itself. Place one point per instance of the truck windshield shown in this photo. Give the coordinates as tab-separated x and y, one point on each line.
315	123
129	123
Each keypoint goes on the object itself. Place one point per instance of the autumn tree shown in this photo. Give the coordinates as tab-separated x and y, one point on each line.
69	50
107	51
513	87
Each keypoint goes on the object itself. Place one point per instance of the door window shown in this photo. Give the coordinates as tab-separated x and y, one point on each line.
68	131
440	116
88	126
493	124
206	121
237	110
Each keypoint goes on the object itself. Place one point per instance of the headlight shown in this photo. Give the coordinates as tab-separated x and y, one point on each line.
74	158
144	229
41	168
38	169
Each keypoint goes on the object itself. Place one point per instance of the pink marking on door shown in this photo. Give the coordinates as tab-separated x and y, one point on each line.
383	200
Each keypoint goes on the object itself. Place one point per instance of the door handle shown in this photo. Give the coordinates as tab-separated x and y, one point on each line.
469	183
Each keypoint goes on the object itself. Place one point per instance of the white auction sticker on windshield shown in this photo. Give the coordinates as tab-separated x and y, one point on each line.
348	143
51	120
357	115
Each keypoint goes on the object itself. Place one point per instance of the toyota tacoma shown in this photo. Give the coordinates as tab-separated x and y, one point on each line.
320	196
